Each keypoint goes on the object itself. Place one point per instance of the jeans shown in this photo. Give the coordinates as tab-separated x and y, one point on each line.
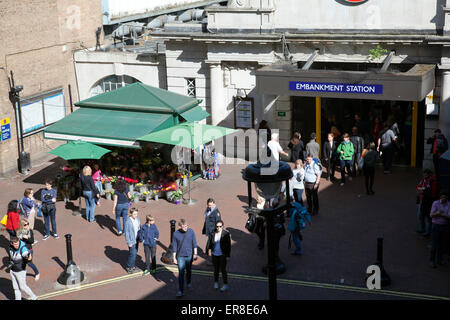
121	211
348	164
90	205
420	219
220	264
131	261
298	196
184	264
99	186
150	251
33	266
50	216
439	233
297	242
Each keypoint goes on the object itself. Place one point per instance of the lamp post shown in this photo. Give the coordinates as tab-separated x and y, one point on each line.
268	185
24	157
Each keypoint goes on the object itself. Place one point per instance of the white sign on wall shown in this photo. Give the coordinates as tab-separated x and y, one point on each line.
243	113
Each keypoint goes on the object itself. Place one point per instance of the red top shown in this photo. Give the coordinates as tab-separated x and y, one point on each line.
13	221
431	182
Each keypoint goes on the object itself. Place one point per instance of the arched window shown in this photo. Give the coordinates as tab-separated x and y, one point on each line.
111	83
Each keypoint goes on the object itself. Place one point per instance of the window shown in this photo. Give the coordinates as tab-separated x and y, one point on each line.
190	83
111	83
42	110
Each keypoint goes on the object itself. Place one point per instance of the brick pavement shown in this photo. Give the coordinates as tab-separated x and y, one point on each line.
340	244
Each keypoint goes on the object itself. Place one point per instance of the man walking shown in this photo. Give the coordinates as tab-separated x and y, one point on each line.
184	246
439	145
313	147
312	179
358	146
386	142
18	257
212	215
346	151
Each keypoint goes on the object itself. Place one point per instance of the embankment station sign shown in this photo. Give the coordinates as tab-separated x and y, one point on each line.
335	87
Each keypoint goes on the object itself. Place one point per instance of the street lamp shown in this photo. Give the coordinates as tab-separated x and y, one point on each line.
268	186
24	157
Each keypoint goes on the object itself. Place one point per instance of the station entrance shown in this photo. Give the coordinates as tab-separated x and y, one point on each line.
339	115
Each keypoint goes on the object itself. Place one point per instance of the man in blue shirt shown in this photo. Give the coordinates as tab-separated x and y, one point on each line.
184	246
48	198
312	179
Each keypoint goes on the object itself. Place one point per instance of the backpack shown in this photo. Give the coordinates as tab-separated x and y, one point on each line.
22	211
442	144
317	161
370	158
297	221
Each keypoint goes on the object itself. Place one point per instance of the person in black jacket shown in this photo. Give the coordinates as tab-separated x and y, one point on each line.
439	145
330	155
90	192
297	147
358	146
212	215
219	246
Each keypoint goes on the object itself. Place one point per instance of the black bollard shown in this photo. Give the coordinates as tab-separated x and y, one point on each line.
172	230
385	279
71	274
167	257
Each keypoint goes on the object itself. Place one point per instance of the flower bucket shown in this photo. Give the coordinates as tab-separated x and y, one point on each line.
178	201
147	198
136	199
108	196
131	187
156	197
185	182
108	185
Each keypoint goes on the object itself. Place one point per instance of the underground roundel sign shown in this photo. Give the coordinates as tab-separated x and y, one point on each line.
355	1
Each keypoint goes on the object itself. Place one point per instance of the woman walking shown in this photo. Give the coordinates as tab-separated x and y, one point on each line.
219	245
90	192
30	206
370	158
25	233
12	225
132	227
149	234
121	204
297	147
297	181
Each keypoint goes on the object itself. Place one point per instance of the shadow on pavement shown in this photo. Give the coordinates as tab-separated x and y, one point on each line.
105	221
59	262
121	256
48	172
6	288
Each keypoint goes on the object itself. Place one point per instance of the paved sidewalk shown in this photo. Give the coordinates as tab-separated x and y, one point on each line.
340	244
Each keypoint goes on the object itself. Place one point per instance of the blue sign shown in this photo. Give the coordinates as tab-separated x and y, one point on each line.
336	87
5	129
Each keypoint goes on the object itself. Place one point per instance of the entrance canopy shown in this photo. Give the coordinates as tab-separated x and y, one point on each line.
120	117
289	80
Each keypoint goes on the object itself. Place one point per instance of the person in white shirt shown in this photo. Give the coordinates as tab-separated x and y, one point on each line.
297	181
275	148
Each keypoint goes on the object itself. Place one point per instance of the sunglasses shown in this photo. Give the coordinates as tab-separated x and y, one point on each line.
218	226
26	224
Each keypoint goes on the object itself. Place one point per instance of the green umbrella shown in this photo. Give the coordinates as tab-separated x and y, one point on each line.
79	150
189	135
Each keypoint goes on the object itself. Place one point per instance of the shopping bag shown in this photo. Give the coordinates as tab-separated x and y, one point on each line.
39	211
4	220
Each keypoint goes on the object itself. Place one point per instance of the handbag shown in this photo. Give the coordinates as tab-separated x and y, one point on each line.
250	225
4	220
39	211
167	257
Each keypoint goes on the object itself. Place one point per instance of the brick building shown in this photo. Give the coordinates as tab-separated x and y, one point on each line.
37	44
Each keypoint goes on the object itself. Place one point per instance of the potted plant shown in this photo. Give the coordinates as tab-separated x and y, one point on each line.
146	195
176	196
135	197
156	194
109	193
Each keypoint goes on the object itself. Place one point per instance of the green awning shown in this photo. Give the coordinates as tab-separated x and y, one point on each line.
143	98
195	114
108	127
